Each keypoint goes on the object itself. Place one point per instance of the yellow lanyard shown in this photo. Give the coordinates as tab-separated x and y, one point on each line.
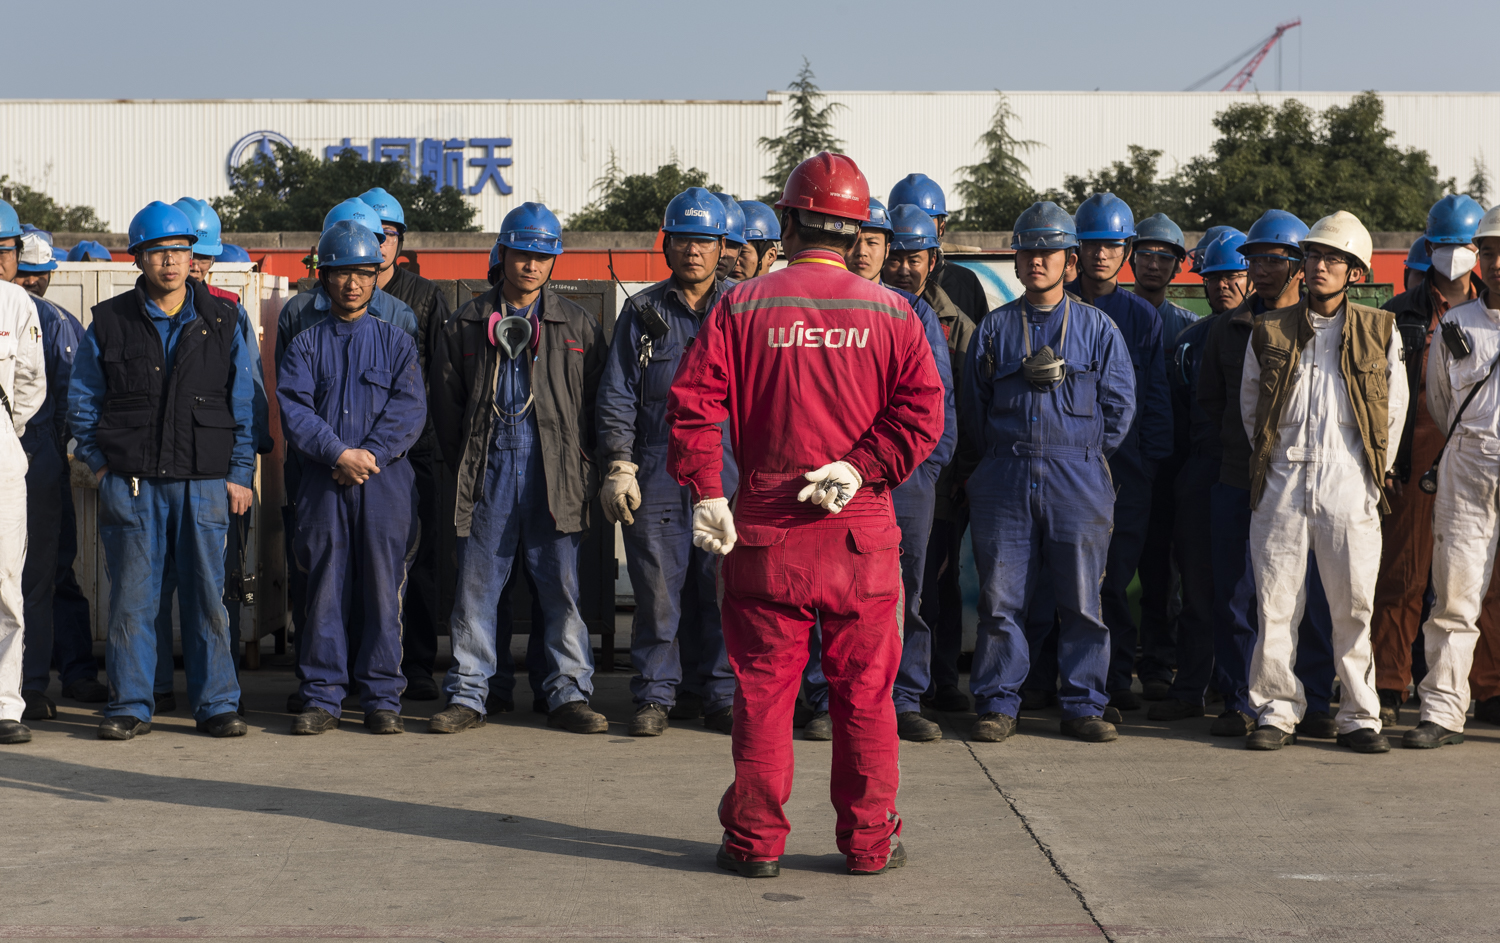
818	261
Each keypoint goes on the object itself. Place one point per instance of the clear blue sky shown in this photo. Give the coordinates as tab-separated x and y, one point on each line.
651	49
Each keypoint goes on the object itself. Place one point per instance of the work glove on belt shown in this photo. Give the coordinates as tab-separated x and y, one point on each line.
620	494
833	486
713	526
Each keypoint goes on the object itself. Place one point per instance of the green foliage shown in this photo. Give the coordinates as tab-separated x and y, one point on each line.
637	202
295	192
43	212
1478	186
809	130
1133	180
995	191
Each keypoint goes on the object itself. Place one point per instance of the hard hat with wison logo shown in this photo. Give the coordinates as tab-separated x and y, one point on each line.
694	212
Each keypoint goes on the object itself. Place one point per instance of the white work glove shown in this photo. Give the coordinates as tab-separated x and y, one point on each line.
713	526
832	487
620	494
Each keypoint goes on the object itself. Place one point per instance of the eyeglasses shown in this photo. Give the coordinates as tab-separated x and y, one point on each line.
1314	258
358	276
391	232
1266	260
165	254
1157	253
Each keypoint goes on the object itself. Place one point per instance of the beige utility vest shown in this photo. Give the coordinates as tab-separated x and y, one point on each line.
1278	340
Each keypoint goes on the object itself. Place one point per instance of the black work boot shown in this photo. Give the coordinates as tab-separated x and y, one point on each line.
1124	699
1112	715
164	702
295	702
454	718
1036	699
313	721
578	717
1155	690
227	724
1488	710
495	704
1390	706
747	869
1267	737
1428	736
688	706
950	700
384	722
13	732
86	691
1319	725
1174	709
123	727
650	720
819	728
993	727
420	688
896	859
1364	740
1090	729
721	720
1232	724
911	725
38	706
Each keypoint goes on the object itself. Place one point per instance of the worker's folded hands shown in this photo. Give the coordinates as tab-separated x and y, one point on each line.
832	487
713	526
620	493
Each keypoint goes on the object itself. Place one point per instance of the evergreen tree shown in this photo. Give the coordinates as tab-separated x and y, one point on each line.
995	190
1133	180
1479	183
809	130
635	202
43	212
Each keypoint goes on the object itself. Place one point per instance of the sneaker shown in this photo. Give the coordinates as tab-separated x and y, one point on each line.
721	720
1090	729
1155	690
689	706
1125	699
1318	725
1173	709
1364	740
950	700
38	706
993	727
819	728
122	727
1267	737
166	702
420	688
454	718
1428	736
86	691
578	717
911	725
384	722
1390	706
1232	724
895	859
650	720
227	724
13	732
313	721
1037	700
747	869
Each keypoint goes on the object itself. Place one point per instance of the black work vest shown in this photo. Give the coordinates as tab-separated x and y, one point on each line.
182	427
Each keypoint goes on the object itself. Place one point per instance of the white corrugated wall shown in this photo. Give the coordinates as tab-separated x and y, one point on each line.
118	155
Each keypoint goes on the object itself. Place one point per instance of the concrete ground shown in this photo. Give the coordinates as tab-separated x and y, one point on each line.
518	832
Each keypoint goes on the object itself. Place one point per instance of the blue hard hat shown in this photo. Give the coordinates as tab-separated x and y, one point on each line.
1158	228
1223	254
494	255
10	223
760	221
59	254
205	223
1419	257
159	221
1277	228
1105	217
233	253
530	227
357	211
1453	220
89	251
912	228
734	220
694	212
879	218
34	254
920	191
347	243
1196	252
386	207
1044	226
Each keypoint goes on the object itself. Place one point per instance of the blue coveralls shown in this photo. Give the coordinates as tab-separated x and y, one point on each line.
676	619
512	519
913	501
45	444
173	523
353	385
1042	494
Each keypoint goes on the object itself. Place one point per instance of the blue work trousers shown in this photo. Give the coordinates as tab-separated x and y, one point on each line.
173	524
1235	615
355	543
1052	509
39	574
511	519
165	653
1161	579
1132	519
1192	549
942	606
72	625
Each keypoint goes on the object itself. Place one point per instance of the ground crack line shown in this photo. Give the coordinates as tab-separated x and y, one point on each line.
1041	845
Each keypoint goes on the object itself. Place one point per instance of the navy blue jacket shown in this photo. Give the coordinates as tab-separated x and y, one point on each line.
46	436
943	454
1197	433
1150	437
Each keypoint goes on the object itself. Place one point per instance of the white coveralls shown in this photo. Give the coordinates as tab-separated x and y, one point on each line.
1466	512
1318	496
23	379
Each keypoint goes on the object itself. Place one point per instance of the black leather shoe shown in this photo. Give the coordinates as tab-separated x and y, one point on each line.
86	691
993	728
227	724
1267	737
384	722
1232	724
650	720
689	706
747	869
1155	690
896	859
420	688
578	717
1488	710
1390	706
295	703
911	725
950	700
38	706
1364	740
1428	736
1037	700
819	728
1090	729
1174	709
1125	699
313	721
13	732
721	720
122	727
165	702
455	718
1318	725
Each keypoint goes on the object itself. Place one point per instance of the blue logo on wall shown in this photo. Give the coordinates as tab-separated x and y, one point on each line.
442	160
255	144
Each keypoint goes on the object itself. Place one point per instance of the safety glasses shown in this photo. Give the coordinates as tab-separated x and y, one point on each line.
165	254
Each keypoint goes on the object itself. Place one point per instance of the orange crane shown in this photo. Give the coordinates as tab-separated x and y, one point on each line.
1247	72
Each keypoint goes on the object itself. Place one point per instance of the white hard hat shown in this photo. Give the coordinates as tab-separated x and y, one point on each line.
35	254
1342	231
1489	225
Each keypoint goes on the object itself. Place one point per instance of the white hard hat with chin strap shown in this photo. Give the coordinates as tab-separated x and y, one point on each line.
1345	233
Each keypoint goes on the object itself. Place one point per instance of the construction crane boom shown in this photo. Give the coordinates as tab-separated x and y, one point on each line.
1260	50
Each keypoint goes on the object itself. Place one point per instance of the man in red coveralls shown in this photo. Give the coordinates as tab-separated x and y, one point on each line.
832	400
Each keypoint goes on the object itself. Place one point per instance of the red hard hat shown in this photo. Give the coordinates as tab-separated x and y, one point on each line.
830	184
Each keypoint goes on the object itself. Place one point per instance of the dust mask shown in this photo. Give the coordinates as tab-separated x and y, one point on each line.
1453	262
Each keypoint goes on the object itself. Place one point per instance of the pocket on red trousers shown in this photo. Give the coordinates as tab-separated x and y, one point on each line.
756	566
877	560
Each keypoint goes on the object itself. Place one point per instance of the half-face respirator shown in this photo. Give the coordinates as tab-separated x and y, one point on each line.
511	333
1044	369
